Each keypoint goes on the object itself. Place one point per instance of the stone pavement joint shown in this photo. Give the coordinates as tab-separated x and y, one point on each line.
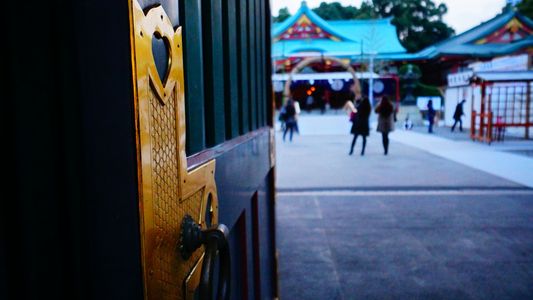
428	188
372	193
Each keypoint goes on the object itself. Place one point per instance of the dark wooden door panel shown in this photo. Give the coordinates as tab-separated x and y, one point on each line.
73	227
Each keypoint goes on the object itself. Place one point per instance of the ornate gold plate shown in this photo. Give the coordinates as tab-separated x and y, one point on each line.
167	190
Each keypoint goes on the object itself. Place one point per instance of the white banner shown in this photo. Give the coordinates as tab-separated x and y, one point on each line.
504	63
460	79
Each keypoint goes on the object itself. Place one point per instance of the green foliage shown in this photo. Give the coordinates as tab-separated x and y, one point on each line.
335	11
283	14
366	11
418	22
419	89
525	7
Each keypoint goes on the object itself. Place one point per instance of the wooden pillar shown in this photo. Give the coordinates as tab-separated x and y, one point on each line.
482	110
473	125
472	115
528	108
489	127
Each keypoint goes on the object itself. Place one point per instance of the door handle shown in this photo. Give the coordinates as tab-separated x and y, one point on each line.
215	240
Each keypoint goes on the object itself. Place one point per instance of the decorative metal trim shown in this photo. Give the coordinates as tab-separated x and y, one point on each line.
167	190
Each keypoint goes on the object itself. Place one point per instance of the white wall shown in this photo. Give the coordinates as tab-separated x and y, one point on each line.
454	95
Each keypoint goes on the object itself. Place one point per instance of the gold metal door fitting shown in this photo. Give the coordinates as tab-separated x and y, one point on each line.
167	190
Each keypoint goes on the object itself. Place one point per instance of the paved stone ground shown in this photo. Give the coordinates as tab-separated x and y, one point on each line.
445	132
322	162
406	247
410	225
512	144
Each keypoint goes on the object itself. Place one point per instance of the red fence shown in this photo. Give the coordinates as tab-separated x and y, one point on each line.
500	107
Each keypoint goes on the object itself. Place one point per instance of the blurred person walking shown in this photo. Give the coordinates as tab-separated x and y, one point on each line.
457	115
290	119
431	116
360	123
281	118
322	105
296	115
309	103
385	111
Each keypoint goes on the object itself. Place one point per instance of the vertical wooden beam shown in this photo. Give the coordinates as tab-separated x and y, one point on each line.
264	63
190	14
256	246
268	60
473	125
244	79
510	101
482	111
489	115
528	109
230	68
473	114
252	21
259	38
521	100
213	72
261	63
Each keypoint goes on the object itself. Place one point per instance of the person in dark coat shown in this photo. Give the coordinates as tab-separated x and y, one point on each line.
360	123
290	119
385	111
431	116
459	112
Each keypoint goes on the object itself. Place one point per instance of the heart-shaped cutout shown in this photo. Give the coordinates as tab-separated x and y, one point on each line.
161	54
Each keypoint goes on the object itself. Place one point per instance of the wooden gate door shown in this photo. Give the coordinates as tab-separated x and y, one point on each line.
217	202
140	150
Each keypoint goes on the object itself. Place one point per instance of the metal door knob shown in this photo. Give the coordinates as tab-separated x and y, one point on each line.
215	240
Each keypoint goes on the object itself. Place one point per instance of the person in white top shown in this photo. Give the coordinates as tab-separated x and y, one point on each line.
297	110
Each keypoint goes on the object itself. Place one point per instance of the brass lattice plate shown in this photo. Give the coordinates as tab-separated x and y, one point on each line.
167	190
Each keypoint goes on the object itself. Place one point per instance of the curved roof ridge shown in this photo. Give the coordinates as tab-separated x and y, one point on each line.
474	33
524	19
304	10
492	24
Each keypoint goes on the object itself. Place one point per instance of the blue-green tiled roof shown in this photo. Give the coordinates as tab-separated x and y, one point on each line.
355	35
380	37
464	44
277	29
377	35
324	46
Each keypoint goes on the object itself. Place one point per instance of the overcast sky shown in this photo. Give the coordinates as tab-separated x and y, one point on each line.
462	14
